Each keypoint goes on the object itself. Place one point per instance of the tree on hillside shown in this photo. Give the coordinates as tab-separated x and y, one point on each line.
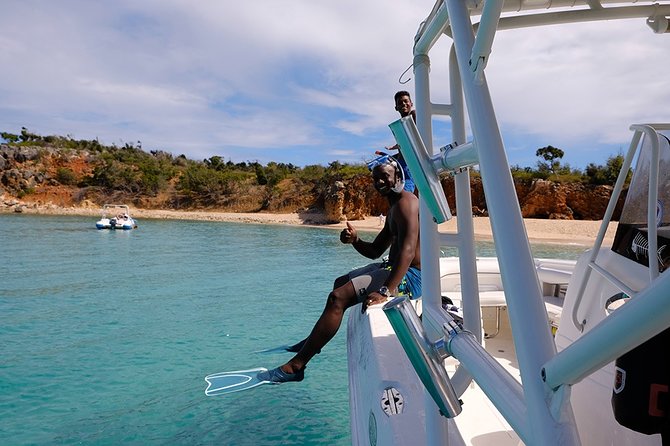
607	174
28	136
552	158
9	137
215	162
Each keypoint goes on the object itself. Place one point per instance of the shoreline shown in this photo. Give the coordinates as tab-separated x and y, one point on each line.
573	232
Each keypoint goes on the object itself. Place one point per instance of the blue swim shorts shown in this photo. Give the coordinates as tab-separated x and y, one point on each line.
371	277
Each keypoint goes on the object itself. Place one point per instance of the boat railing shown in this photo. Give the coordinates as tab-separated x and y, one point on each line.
637	321
650	131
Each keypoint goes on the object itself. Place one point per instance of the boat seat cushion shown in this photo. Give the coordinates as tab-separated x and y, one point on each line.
486	298
554	305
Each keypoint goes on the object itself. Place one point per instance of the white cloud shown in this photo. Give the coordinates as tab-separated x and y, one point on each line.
580	83
314	79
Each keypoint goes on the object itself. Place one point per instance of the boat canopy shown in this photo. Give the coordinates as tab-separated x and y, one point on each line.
512	14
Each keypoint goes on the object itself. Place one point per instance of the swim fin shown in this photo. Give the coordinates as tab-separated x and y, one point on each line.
295	348
280	349
236	381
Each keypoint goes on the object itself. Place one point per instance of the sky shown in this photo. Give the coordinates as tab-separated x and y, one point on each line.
308	81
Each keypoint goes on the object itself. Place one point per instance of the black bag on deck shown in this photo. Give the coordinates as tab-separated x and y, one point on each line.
641	398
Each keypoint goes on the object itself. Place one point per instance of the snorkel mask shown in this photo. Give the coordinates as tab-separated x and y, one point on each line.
400	174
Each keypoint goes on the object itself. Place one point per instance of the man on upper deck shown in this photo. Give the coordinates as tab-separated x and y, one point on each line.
404	106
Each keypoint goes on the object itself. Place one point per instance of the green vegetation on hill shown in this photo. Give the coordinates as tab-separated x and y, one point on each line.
128	172
158	178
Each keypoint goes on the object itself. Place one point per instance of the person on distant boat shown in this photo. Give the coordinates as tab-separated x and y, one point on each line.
371	284
404	106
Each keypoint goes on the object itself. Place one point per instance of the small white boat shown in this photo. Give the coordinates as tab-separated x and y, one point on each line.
116	216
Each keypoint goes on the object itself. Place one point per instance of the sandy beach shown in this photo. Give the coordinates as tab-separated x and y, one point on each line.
575	232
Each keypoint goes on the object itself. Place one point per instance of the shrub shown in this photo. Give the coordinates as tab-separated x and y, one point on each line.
66	176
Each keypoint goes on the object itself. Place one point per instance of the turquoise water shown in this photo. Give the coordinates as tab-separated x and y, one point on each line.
106	336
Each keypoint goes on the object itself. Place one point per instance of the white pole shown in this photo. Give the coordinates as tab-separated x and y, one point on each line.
530	327
436	425
467	257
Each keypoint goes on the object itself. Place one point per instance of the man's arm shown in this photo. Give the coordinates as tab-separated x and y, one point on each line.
371	250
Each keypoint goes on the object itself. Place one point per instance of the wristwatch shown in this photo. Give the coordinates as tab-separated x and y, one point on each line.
384	291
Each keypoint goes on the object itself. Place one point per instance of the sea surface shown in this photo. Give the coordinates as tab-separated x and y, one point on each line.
106	336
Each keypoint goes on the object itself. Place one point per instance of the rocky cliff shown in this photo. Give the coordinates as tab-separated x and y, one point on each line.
547	199
32	176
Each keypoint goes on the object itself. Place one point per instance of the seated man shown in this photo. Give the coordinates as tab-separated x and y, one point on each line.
374	283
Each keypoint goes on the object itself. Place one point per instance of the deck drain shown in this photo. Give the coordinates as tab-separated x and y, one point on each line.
392	401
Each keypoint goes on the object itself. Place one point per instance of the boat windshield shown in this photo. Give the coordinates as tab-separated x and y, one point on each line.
631	240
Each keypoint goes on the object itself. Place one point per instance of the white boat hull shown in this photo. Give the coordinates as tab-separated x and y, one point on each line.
125	225
120	218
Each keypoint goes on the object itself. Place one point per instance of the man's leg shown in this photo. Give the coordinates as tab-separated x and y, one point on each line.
341	298
326	327
340	281
345	295
295	348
